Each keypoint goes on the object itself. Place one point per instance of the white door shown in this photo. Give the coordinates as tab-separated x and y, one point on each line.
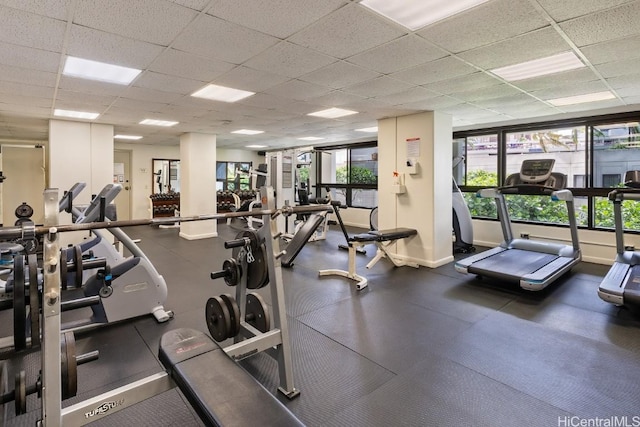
23	169
122	176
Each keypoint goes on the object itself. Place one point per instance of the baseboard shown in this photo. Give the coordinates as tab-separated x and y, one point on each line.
197	236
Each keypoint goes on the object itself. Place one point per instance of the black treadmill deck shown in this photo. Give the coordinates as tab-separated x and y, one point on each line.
511	264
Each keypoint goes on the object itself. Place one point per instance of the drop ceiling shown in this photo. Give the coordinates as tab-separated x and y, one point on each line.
301	56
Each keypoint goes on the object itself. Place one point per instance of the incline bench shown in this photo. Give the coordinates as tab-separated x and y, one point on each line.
382	239
221	391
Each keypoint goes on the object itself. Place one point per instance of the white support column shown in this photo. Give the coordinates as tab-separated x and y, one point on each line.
198	184
427	203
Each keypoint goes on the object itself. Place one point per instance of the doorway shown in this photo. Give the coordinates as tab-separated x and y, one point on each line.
122	176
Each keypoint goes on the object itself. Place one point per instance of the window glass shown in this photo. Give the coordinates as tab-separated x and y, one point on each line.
481	164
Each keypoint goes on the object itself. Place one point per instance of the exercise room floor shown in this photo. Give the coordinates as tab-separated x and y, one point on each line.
418	347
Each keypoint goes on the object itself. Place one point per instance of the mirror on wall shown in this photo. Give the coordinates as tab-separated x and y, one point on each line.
166	176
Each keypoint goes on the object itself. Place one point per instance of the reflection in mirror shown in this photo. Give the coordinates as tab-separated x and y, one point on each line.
166	176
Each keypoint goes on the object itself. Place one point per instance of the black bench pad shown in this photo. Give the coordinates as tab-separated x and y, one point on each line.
222	392
384	235
300	239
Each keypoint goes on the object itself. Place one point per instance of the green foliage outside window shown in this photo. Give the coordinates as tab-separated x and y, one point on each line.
359	175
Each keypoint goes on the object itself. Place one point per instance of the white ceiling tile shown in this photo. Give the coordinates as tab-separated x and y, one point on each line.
198	5
336	99
398	54
13	88
58	9
40	108
153	21
627	81
27	76
613	50
31	30
588	106
90	86
432	104
26	100
633	101
298	90
413	94
610	24
533	45
290	60
183	64
476	80
378	87
570	89
221	40
26	57
339	74
347	31
266	101
111	48
557	80
167	83
619	68
152	95
487	23
84	98
268	16
249	79
504	103
486	93
629	91
567	9
434	71
526	111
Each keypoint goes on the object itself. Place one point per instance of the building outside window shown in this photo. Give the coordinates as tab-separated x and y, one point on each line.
233	176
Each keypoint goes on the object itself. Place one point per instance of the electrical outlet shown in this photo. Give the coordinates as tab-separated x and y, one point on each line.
524	235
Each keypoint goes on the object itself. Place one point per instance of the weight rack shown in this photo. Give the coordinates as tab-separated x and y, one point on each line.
274	342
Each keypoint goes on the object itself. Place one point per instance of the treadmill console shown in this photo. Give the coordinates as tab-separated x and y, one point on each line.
535	171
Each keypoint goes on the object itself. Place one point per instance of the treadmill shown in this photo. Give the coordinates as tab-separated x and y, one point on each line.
532	264
621	285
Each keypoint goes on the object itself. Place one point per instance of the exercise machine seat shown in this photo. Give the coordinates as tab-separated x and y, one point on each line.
384	235
300	239
221	391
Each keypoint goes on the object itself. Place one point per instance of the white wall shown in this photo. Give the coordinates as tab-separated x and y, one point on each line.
231	155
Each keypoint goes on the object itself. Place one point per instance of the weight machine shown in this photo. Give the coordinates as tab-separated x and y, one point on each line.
185	353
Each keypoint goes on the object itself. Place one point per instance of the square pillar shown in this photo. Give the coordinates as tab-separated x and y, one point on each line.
198	184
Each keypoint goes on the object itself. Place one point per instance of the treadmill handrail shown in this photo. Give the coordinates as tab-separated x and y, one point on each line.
624	194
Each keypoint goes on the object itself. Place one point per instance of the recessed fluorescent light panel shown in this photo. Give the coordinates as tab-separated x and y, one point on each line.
415	14
248	132
371	129
540	67
332	113
256	146
310	138
75	114
221	93
101	71
581	99
129	137
152	122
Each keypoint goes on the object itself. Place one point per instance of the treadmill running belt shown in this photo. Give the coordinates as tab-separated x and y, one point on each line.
633	282
512	263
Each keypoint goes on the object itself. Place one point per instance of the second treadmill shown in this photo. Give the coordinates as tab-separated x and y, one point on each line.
532	264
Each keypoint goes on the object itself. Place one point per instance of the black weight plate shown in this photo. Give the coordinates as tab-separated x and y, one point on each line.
257	271
218	319
257	313
69	369
34	303
233	276
20	395
77	255
4	389
63	269
24	211
19	304
234	314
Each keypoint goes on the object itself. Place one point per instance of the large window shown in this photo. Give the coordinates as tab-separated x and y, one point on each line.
233	176
594	153
351	174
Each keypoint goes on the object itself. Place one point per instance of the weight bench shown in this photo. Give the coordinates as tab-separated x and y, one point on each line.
382	239
301	237
221	391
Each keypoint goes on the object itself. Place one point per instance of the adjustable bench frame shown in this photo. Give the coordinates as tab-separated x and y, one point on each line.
382	239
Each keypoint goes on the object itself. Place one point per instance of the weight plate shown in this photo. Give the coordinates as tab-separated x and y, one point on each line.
231	266
4	389
257	312
24	211
218	318
19	304
77	259
69	367
63	269
34	302
20	394
234	314
257	271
